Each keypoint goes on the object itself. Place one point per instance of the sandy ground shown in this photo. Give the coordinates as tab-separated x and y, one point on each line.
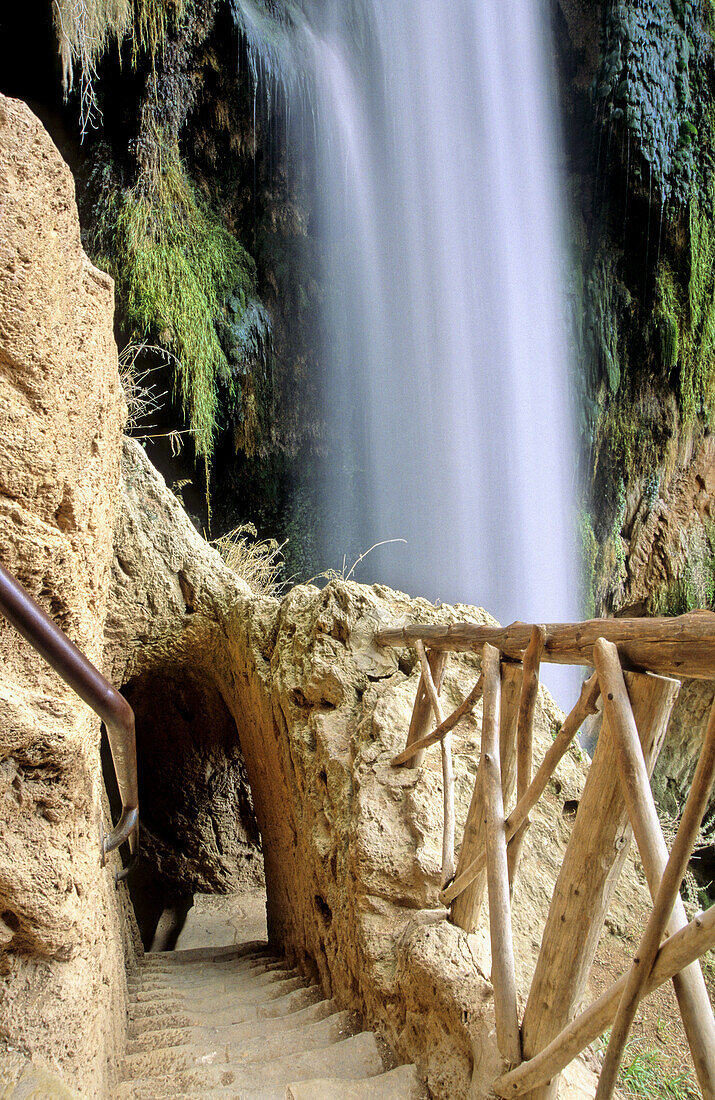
657	1026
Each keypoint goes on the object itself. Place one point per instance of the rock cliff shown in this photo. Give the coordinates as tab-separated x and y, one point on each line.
61	413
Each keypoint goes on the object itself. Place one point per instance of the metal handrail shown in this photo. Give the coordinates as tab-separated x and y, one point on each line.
36	626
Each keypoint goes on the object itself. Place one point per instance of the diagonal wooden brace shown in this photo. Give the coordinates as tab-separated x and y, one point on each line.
525	738
690	989
447	769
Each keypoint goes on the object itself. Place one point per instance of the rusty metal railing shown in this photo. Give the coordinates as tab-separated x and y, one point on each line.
36	626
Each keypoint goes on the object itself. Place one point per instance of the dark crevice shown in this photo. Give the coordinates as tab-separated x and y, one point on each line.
198	827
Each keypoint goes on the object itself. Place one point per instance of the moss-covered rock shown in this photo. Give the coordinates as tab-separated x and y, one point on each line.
642	145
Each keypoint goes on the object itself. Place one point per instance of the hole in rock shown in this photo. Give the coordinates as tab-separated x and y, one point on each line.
198	827
323	908
570	808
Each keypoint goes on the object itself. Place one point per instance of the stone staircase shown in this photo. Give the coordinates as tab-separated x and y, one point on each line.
237	1022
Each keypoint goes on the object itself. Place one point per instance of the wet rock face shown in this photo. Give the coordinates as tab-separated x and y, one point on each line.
674	774
61	411
648	81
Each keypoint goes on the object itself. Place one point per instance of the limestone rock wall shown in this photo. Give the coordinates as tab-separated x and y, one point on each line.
61	412
351	847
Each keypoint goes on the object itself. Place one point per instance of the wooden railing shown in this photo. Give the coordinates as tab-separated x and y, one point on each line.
634	660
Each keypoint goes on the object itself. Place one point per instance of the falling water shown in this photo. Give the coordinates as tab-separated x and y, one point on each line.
447	394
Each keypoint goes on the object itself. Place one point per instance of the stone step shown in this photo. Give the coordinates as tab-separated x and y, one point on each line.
232	1033
167	1037
237	987
170	1005
310	1036
172	962
172	1014
353	1058
219	1011
154	1024
188	978
209	954
402	1083
161	1058
291	1002
166	971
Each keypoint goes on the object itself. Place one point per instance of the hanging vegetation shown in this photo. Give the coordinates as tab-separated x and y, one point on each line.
175	268
86	28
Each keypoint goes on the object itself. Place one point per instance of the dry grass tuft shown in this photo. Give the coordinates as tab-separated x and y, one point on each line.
141	396
259	562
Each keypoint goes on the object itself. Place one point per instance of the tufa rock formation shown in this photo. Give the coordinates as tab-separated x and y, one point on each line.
61	414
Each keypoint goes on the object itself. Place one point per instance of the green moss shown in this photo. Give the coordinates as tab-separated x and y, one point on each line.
694	586
607	304
667	318
684	315
589	554
175	266
697	371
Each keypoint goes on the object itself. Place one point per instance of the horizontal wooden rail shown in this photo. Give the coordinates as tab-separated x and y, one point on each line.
36	626
683	646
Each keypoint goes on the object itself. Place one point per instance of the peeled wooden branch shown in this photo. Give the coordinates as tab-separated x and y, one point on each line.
662	907
467	907
444	728
678	952
503	970
525	737
684	646
420	721
447	770
586	705
692	995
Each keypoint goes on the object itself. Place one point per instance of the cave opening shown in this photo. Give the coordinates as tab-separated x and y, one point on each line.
198	834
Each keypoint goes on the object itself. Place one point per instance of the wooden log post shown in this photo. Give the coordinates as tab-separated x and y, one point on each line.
500	932
447	770
421	714
678	952
592	865
692	995
585	705
467	906
525	738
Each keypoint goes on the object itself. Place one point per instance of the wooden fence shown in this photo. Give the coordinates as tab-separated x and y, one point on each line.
634	662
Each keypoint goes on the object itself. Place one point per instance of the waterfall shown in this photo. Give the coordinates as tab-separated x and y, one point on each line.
447	393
